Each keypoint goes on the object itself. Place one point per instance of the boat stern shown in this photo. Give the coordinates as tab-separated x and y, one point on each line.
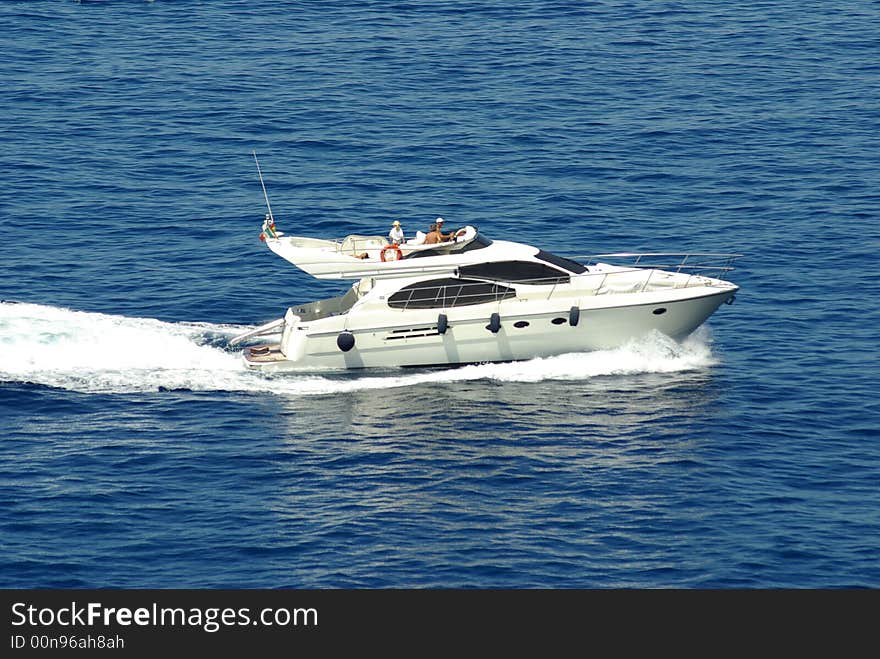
274	356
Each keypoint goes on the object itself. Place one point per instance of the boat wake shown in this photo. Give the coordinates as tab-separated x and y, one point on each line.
99	353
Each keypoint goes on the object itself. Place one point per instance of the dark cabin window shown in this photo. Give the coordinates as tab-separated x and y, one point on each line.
523	272
562	262
439	293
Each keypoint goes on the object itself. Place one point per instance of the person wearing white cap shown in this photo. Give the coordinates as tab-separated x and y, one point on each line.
396	234
435	233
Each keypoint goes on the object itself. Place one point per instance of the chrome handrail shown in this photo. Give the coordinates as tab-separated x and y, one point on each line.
683	257
685	264
457	298
672	261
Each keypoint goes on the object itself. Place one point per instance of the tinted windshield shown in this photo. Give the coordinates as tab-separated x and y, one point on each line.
562	262
479	242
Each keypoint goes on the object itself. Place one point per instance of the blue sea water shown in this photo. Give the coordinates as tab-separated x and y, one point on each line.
137	452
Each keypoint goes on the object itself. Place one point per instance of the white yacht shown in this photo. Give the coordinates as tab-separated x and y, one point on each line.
472	299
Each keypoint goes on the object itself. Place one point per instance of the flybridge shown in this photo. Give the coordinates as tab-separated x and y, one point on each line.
356	256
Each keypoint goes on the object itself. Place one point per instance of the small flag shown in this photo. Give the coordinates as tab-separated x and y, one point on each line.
268	228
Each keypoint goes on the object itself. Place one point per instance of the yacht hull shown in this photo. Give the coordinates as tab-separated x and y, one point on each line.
510	330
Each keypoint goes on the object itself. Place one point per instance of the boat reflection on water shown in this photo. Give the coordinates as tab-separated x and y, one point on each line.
519	408
445	473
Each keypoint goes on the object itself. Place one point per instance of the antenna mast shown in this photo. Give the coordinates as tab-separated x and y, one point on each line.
265	194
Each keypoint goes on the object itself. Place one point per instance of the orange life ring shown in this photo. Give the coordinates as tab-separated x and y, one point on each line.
394	248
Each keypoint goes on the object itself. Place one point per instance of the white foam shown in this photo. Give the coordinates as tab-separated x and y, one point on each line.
99	353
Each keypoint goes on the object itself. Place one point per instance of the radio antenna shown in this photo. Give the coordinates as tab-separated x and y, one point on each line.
265	194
